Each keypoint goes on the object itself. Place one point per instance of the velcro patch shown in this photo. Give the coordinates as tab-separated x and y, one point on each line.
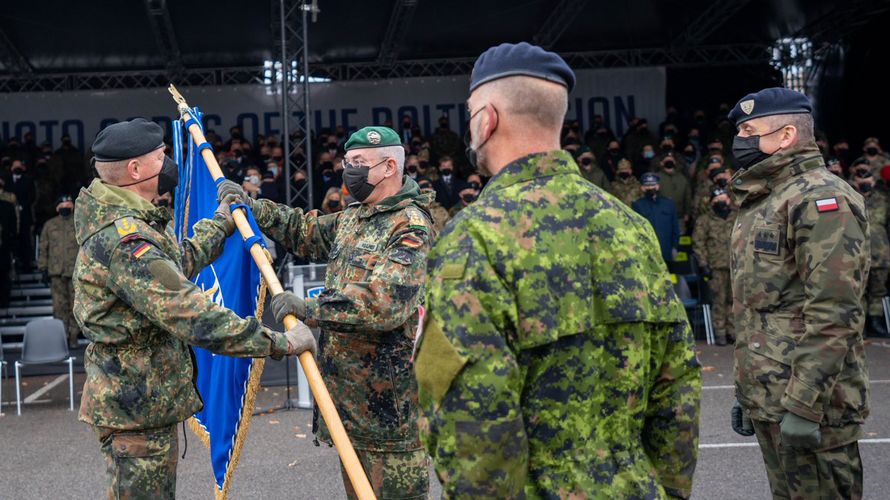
141	250
125	226
826	205
766	240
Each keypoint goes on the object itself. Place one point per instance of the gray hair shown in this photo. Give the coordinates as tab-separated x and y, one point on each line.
395	152
530	99
803	122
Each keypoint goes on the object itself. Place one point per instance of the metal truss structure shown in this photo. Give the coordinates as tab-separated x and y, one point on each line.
396	30
165	37
708	21
556	23
291	18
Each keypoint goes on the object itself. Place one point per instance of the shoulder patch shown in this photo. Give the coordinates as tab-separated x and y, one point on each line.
438	362
826	205
141	250
125	226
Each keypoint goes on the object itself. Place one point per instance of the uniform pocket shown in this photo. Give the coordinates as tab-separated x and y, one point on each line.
145	463
360	266
763	370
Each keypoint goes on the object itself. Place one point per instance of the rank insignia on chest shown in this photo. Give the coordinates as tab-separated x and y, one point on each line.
766	240
826	205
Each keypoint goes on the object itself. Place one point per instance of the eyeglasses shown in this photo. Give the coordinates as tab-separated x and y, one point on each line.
346	164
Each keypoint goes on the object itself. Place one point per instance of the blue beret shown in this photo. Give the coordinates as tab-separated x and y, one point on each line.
521	59
125	140
768	102
649	179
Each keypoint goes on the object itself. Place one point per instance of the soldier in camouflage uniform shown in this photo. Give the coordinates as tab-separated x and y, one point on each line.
590	170
438	213
556	359
58	252
800	260
368	312
718	178
135	303
872	154
710	241
626	187
876	290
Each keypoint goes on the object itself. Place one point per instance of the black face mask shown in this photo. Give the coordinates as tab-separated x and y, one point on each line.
65	212
652	193
864	188
669	165
356	180
746	150
722	183
721	209
168	177
624	175
473	153
327	165
468	198
474	185
586	161
871	151
446	171
613	152
163	203
412	168
333	204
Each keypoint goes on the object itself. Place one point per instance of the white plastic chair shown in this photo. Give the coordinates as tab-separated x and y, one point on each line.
45	342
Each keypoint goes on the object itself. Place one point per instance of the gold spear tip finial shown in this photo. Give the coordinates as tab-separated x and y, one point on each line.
181	105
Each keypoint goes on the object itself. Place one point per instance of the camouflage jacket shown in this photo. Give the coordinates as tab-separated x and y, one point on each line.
556	357
800	261
134	301
675	186
368	315
627	191
710	239
58	247
876	205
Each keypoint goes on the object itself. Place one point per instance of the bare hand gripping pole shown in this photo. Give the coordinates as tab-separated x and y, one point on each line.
322	397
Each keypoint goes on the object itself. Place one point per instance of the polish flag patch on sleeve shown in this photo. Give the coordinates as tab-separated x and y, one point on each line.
826	205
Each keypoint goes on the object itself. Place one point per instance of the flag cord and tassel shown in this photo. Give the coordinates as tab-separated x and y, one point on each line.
323	400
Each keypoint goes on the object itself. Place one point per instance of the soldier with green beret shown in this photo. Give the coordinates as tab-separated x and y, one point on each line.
376	252
556	359
799	260
136	304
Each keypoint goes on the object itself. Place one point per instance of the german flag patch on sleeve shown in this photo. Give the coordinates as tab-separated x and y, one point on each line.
412	241
141	250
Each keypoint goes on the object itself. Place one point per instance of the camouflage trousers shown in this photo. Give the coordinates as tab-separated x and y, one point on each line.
63	305
721	303
397	474
140	464
809	475
876	290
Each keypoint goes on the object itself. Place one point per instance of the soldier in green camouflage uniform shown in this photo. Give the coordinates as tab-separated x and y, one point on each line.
626	187
710	241
872	154
556	359
58	252
368	312
876	290
800	260
135	303
590	170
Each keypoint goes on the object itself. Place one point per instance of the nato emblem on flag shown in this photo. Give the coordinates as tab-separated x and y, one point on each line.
227	385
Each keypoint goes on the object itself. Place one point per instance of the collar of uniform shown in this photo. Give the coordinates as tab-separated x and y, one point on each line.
532	166
758	180
409	194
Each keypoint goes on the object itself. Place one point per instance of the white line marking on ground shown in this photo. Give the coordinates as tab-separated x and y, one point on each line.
754	445
43	390
36	401
725	387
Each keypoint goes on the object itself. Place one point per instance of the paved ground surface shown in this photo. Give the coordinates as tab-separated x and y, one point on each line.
47	453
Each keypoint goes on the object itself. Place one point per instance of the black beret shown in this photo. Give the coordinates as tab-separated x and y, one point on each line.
521	59
717	171
125	140
717	192
64	198
768	102
649	179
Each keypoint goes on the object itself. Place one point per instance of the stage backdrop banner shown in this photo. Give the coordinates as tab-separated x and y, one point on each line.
617	94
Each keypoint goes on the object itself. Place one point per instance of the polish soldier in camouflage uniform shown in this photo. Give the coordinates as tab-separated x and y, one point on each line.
58	252
135	303
710	241
626	187
376	252
876	206
556	359
800	261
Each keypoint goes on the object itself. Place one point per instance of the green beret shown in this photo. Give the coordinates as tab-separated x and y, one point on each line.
373	137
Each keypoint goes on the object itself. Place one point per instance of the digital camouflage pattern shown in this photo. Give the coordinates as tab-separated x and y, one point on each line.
57	255
140	464
393	474
798	277
710	242
627	190
876	207
368	315
135	303
803	475
556	359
